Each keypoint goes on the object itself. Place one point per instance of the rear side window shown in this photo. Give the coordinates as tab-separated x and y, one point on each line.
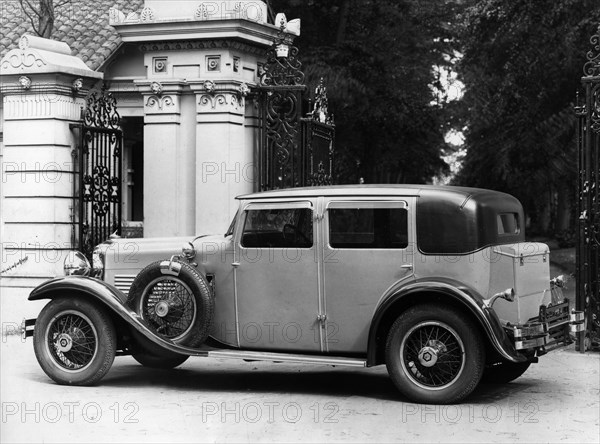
368	228
508	223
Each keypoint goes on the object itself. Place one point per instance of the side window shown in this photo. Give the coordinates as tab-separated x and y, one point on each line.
362	228
278	228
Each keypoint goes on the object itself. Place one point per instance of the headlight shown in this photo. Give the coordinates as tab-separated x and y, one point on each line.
76	264
188	251
98	264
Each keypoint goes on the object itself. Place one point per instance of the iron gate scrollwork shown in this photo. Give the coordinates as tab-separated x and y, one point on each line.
588	245
318	141
100	157
280	95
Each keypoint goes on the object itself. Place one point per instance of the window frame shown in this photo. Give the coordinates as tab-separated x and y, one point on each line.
262	206
366	204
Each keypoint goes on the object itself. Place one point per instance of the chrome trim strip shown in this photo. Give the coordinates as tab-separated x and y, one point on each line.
283	357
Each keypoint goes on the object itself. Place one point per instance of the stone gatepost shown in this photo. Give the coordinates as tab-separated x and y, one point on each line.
43	88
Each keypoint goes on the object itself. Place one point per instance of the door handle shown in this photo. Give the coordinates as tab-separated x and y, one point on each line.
235	264
407	267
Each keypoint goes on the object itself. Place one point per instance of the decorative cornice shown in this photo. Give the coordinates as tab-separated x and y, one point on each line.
34	106
36	55
42	90
179	45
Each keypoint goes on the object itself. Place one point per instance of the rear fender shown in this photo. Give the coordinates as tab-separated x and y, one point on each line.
111	299
456	294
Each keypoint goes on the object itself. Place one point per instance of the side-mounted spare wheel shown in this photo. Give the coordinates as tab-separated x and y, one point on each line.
435	354
74	341
175	301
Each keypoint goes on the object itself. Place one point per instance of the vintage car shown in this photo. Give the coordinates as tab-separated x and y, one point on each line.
437	283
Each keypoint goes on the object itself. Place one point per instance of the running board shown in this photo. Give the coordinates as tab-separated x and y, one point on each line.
284	357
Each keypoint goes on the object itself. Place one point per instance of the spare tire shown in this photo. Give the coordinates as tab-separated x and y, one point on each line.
175	301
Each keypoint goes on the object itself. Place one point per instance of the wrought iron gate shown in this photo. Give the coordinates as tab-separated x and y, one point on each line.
318	136
294	151
99	172
588	245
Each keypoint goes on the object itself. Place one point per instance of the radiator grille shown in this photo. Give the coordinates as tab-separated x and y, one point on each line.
123	282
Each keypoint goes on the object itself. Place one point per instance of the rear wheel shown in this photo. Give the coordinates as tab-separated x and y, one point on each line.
434	354
74	341
504	372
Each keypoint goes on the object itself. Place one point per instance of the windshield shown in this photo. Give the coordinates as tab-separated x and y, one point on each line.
232	226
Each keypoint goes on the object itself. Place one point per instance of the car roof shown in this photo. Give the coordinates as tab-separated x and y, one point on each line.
371	190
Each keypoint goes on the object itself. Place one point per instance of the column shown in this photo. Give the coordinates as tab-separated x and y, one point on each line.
224	160
169	161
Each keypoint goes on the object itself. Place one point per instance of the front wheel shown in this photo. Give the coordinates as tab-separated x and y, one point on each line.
434	354
74	341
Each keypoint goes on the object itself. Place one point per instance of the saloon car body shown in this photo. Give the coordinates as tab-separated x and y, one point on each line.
437	283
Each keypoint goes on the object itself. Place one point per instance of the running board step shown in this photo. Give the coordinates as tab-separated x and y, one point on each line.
284	357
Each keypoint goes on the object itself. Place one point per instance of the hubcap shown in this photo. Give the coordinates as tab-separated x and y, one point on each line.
428	356
64	343
162	309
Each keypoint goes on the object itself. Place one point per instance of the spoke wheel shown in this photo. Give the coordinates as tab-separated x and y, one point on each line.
432	354
74	341
169	306
176	305
435	354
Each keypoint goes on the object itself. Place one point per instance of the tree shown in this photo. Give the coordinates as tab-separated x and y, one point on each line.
377	59
522	67
41	14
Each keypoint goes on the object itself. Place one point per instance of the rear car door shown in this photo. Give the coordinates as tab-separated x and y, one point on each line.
367	249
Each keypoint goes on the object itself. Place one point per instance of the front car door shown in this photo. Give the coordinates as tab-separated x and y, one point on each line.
367	250
277	289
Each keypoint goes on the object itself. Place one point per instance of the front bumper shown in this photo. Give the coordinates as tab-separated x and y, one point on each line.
553	327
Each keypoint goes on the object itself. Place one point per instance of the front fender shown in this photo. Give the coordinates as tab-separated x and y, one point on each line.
113	300
460	295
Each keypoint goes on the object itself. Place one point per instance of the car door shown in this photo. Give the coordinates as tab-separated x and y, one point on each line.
277	289
367	249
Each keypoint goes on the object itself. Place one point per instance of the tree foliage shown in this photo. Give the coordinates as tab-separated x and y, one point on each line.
522	67
377	59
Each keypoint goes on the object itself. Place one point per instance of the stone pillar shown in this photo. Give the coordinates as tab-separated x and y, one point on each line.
43	89
224	161
169	162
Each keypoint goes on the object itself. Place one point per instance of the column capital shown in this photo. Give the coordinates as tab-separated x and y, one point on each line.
162	98
214	96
